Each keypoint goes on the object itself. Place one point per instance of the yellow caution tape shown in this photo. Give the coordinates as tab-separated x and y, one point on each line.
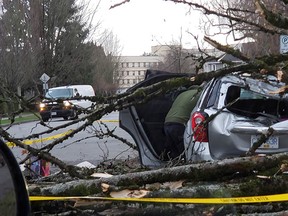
108	120
30	142
232	200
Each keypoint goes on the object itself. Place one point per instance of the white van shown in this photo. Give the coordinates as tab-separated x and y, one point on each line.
68	106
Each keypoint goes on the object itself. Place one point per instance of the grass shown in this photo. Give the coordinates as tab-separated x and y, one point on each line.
25	117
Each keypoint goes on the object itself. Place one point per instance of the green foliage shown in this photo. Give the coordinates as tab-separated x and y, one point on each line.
51	37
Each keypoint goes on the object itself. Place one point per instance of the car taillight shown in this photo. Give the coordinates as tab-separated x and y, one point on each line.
200	131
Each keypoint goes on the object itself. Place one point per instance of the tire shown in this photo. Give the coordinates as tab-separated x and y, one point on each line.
65	118
45	119
74	116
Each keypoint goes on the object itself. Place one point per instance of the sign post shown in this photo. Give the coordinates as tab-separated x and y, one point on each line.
45	78
283	44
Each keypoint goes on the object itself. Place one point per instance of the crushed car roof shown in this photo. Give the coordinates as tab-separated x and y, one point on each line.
257	85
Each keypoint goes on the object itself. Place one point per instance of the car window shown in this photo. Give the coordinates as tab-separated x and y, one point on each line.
59	93
253	104
214	94
246	94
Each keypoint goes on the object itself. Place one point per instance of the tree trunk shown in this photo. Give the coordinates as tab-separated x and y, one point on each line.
209	171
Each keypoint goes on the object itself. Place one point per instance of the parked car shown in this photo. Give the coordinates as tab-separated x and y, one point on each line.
65	101
230	133
237	126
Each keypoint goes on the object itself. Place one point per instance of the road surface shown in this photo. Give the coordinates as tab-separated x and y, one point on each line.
84	146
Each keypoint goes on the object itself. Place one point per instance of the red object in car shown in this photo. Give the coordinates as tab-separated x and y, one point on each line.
200	131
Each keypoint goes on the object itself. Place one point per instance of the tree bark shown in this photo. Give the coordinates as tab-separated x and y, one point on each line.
208	171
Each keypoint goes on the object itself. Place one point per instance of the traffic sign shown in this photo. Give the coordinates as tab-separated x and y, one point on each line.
283	44
44	78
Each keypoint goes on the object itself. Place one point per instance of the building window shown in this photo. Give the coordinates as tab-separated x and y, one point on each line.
212	67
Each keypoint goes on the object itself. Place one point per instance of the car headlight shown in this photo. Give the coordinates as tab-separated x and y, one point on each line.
42	106
66	103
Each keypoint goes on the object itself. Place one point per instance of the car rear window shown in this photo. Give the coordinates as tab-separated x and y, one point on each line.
252	104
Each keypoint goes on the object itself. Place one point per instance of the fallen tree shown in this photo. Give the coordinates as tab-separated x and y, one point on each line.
197	172
110	104
247	176
237	177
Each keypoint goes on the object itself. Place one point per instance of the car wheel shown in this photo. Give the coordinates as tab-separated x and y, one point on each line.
65	118
45	119
74	116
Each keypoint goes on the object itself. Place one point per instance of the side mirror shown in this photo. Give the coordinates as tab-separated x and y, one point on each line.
14	198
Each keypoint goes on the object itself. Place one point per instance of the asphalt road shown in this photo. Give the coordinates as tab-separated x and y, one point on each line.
84	146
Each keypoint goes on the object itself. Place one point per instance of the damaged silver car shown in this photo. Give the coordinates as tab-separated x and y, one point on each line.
232	114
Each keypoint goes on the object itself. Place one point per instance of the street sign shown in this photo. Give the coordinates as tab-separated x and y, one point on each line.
284	44
44	78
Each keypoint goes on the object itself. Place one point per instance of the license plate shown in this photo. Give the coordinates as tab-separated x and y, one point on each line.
53	113
271	143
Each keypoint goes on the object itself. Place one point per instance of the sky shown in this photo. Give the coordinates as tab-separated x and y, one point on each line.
140	24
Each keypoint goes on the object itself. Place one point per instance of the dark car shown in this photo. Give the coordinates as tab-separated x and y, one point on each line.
65	101
231	133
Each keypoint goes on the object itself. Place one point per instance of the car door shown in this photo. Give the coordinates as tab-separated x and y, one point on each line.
144	122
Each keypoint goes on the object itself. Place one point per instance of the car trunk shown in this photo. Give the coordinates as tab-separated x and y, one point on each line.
255	114
237	134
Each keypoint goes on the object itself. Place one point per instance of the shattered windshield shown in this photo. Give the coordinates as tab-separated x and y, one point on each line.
59	93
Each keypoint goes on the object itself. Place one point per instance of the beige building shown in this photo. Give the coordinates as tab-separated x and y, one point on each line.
132	69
